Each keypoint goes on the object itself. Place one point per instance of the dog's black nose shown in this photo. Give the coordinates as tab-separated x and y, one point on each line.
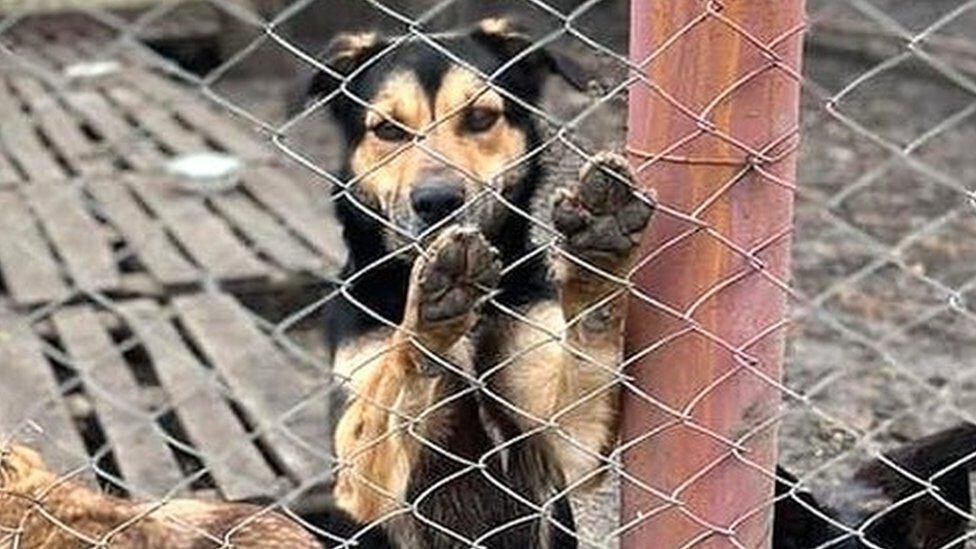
437	199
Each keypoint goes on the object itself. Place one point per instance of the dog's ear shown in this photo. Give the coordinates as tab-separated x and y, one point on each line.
507	40
344	54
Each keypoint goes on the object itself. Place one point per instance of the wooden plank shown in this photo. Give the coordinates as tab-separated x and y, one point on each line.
267	234
30	272
226	447
61	130
25	43
30	394
265	384
140	284
204	236
221	127
157	121
126	140
78	239
8	174
145	236
229	134
31	92
138	444
22	142
25	148
309	215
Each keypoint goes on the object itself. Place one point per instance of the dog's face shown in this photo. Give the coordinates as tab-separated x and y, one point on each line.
430	142
430	155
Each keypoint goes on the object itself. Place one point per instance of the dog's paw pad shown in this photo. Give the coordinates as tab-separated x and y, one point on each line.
604	216
458	271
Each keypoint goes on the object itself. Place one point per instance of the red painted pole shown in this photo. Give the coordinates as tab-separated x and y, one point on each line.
713	130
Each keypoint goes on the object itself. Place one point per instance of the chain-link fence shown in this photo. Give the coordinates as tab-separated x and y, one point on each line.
303	273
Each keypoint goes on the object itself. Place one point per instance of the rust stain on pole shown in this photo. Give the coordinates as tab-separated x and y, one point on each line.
716	99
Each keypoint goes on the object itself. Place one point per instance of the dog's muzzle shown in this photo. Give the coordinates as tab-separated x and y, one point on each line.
436	199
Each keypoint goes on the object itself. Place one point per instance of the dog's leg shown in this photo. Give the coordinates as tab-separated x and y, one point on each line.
373	443
601	221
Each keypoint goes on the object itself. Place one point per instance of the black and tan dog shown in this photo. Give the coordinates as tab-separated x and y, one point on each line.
466	421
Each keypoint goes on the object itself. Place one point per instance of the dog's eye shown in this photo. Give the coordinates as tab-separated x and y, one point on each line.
388	131
479	120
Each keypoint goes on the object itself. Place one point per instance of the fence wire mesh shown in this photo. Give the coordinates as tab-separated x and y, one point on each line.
171	258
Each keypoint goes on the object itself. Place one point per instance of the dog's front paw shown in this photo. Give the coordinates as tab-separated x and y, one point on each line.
448	283
602	218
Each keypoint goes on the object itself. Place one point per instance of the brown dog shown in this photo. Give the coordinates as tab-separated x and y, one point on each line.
38	510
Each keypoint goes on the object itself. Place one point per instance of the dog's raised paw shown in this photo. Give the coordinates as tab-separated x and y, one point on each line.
603	217
455	275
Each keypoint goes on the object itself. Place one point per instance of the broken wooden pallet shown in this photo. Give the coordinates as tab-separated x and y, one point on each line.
89	205
193	398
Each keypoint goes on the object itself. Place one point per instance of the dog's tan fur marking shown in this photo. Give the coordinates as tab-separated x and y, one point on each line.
371	439
388	168
353	364
495	25
551	382
372	443
348	46
484	154
39	510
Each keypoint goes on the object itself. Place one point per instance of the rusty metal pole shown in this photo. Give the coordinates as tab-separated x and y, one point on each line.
714	130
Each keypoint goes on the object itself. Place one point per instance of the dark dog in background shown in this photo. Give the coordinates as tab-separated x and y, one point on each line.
906	515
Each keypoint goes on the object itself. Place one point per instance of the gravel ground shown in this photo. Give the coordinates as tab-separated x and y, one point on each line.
887	251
